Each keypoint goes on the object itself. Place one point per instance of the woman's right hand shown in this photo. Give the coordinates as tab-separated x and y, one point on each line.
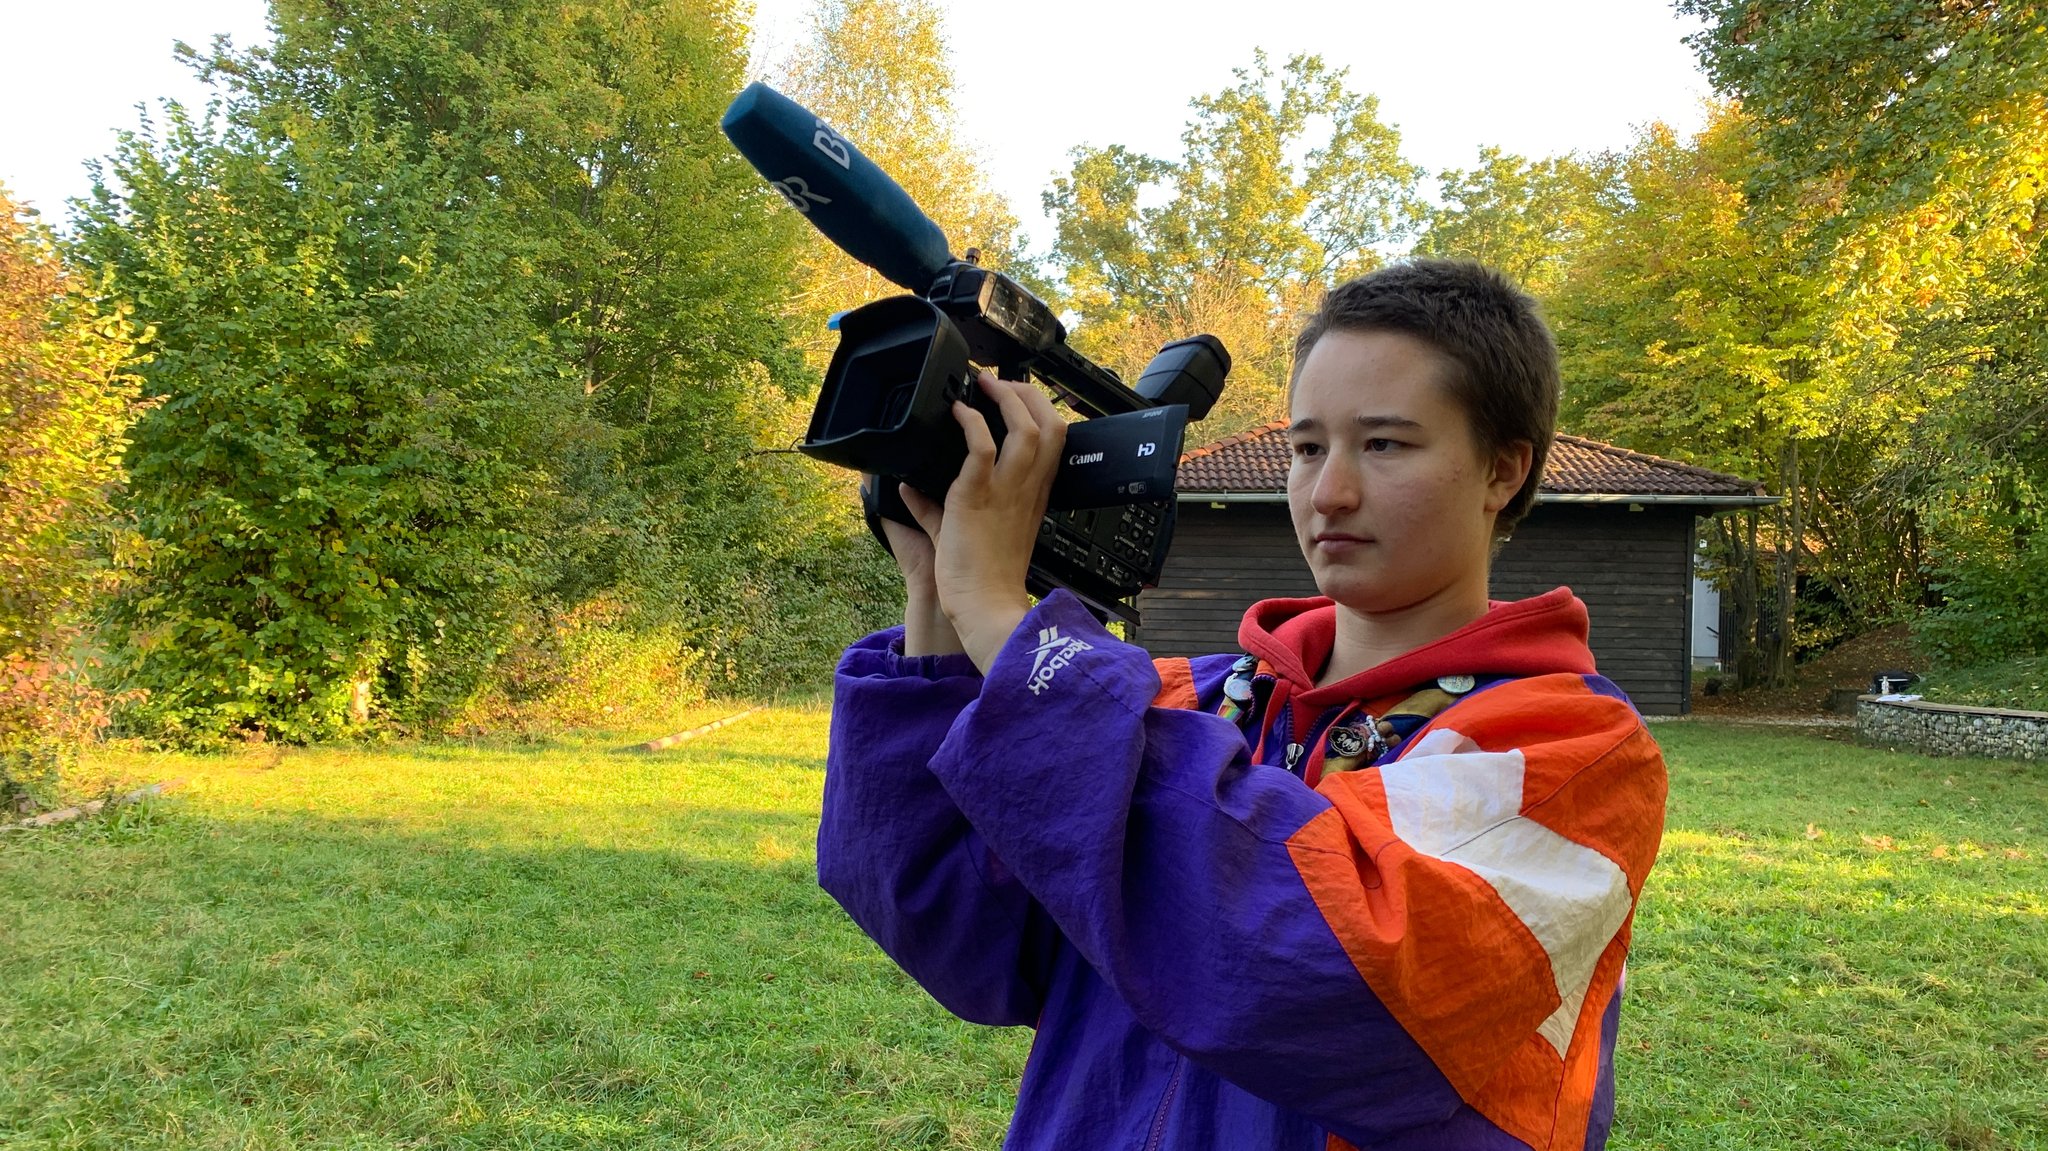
926	630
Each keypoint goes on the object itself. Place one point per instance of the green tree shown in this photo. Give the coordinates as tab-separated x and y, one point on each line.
1526	218
1905	119
1686	331
1288	182
880	72
351	421
1905	156
661	262
67	398
1977	469
608	350
664	268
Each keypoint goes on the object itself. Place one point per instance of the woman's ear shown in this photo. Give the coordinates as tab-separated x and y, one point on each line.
1510	468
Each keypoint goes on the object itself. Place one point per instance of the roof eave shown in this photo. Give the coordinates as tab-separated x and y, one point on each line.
1231	497
1729	501
1710	501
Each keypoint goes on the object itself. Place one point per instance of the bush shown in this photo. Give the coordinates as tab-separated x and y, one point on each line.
1989	545
2020	683
66	403
353	428
49	710
591	667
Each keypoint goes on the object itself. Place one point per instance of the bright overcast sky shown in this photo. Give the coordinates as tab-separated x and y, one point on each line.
1036	78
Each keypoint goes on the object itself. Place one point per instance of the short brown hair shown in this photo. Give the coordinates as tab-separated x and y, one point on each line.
1501	360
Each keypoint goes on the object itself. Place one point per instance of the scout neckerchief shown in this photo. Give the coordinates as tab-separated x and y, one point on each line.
1355	738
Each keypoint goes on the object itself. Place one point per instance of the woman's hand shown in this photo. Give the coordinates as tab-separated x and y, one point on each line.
980	542
926	630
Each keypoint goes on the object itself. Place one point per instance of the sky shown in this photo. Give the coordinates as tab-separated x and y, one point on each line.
1035	79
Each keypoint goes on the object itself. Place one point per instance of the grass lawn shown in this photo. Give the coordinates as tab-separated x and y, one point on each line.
560	945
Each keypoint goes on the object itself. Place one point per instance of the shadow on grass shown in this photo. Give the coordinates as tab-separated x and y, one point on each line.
188	979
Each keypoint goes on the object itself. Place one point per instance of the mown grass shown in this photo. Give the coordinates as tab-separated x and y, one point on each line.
555	945
1840	948
558	945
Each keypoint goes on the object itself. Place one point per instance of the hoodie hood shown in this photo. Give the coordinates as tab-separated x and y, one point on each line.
1536	636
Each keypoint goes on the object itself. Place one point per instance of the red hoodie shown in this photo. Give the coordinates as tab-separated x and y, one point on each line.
1292	639
1536	636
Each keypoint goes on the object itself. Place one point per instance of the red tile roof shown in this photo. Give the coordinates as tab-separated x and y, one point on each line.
1257	460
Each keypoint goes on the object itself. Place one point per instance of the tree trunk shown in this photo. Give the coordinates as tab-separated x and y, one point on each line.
1743	590
359	700
1791	537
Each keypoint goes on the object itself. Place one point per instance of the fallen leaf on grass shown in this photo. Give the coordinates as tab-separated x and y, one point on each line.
1940	851
2015	853
1879	842
1813	832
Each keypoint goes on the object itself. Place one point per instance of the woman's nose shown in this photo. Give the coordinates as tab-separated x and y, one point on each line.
1336	487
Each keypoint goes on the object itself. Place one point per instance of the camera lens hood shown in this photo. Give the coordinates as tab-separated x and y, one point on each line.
886	406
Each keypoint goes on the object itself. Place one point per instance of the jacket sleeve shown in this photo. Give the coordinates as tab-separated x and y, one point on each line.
1372	953
896	853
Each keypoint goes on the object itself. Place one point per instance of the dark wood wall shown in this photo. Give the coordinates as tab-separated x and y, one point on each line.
1222	561
1633	569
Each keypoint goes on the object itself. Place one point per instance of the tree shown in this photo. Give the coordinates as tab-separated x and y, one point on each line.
1247	237
1686	331
1977	470
337	482
665	270
1904	157
662	262
879	71
67	398
1526	218
1891	112
489	274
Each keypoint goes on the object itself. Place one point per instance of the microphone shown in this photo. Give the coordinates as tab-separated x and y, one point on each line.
858	207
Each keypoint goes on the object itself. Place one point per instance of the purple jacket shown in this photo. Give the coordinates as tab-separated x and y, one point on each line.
1424	952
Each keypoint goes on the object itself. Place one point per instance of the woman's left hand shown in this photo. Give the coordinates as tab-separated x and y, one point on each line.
983	540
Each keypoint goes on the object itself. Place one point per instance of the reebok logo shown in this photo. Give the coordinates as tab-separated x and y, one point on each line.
1054	651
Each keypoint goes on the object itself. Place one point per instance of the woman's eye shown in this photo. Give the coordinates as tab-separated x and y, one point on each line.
1379	445
1308	449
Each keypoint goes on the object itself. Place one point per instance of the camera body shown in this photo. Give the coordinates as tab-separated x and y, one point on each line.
885	406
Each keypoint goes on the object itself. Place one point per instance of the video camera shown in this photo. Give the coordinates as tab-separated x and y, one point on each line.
886	404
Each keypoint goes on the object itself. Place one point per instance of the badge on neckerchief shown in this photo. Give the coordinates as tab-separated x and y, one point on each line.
1359	739
1356	739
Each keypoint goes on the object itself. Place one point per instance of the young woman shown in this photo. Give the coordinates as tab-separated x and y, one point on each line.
1367	882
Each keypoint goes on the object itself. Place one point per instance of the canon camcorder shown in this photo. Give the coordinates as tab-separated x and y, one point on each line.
885	407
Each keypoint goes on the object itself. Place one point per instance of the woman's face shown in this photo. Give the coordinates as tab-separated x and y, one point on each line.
1393	502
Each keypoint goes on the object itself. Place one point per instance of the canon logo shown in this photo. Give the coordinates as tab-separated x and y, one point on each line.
1085	458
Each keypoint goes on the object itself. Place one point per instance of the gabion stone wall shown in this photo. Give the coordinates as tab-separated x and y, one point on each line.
1943	729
